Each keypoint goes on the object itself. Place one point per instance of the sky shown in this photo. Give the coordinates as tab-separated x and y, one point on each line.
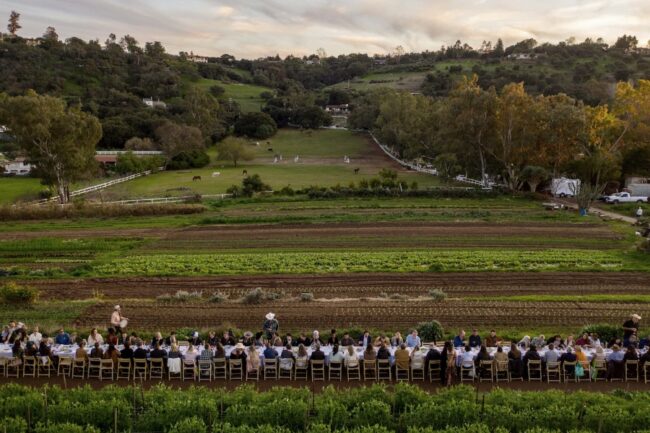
256	28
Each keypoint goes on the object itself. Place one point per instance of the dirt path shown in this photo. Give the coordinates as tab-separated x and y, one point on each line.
597	210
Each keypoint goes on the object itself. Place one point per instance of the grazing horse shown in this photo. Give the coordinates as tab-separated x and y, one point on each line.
270	149
196	178
356	171
215	174
245	172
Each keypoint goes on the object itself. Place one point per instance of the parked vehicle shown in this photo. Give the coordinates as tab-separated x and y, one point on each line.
625	197
563	187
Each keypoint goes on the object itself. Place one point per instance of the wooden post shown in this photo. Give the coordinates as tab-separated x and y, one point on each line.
115	420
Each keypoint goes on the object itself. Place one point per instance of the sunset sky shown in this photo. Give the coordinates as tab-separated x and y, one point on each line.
254	28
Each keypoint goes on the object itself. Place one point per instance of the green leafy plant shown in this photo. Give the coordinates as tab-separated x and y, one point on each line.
12	293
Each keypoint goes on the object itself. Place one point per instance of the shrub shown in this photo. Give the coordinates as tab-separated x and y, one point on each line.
12	213
306	297
437	295
398	296
189	159
256	125
189	425
165	297
218	297
258	295
605	332
65	427
12	293
431	331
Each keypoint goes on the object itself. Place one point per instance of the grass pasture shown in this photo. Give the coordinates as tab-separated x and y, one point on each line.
13	189
246	95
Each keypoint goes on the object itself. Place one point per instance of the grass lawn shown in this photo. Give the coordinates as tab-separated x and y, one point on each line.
19	188
321	163
246	95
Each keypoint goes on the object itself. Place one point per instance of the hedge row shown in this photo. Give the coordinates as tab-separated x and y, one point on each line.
403	408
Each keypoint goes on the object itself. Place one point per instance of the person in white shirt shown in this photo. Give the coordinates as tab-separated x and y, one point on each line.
116	319
35	337
417	358
95	337
337	355
551	354
351	357
467	358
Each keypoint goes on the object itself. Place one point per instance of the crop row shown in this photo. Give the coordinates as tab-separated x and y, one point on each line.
374	409
340	262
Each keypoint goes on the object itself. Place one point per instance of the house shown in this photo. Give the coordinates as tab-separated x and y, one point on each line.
109	157
337	109
379	62
521	56
149	102
197	59
18	167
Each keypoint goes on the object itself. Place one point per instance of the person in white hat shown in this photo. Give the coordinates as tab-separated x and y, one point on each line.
116	319
630	327
270	326
239	353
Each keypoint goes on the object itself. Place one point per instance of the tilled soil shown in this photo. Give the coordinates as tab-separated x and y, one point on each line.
474	284
385	314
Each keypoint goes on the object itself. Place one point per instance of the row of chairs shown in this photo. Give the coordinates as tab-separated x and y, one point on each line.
234	369
500	371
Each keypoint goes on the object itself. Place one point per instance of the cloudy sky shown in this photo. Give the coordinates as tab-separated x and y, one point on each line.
254	28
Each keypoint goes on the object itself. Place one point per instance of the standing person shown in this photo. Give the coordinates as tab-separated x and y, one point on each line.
450	372
270	326
116	319
630	327
639	213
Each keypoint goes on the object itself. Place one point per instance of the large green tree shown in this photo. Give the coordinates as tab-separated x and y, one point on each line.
234	149
59	140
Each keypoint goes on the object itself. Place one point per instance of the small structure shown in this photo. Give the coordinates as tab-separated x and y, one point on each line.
149	102
18	167
521	56
197	59
338	109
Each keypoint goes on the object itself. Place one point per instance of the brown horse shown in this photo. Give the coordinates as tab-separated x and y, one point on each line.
196	178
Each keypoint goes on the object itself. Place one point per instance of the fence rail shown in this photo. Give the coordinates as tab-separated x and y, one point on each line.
178	199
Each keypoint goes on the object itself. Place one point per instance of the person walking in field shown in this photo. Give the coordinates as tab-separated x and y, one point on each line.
639	213
270	326
118	322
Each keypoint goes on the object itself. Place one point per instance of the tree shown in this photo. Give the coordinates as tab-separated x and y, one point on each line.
51	34
137	143
499	51
234	149
59	140
311	117
256	125
626	42
447	164
202	111
14	24
533	176
174	139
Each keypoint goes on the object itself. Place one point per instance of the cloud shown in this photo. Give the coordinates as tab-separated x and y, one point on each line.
253	28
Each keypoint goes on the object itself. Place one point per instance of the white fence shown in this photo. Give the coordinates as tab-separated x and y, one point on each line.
122	152
412	166
97	187
179	199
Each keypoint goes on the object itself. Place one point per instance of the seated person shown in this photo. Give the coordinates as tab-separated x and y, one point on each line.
551	355
157	339
158	353
413	340
432	355
402	357
346	340
337	355
302	340
174	352
192	353
492	340
239	353
219	351
568	356
248	339
227	339
383	352
95	337
270	352
212	339
365	339
483	355
316	340
369	354
62	338
81	352
583	340
474	339
97	351
630	354
334	339
140	352
287	353
417	358
317	354
500	355
467	357
396	340
459	340
171	339
531	355
127	352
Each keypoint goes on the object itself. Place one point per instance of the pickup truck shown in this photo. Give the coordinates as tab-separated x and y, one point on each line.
625	197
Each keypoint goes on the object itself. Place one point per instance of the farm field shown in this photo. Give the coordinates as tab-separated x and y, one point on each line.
246	95
320	163
16	188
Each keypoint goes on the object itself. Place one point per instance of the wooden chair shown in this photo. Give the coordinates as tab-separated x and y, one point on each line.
94	367
107	369
383	370
646	372
370	369
535	371
600	370
435	371
30	366
189	369
79	368
402	374
235	369
335	371
140	368
317	370
65	367
123	368
174	368
417	370
219	368
569	371
270	368
3	366
13	367
553	372
45	366
156	368
300	369
205	370
486	371
285	368
502	371
353	371
631	371
616	371
466	372
515	370
253	374
586	377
